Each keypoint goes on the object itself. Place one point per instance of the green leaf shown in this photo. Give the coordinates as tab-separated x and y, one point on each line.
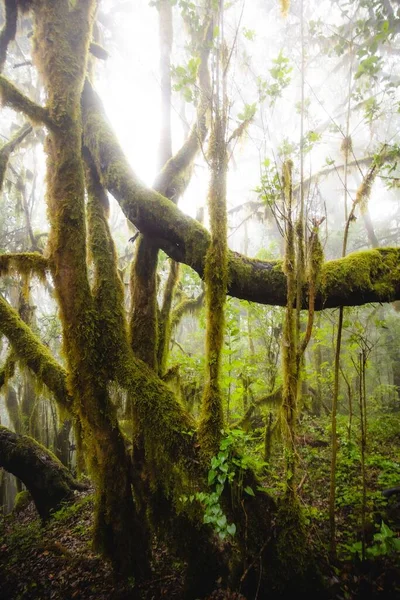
231	529
221	521
249	491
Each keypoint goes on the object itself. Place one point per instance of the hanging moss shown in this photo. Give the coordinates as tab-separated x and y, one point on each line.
24	263
8	369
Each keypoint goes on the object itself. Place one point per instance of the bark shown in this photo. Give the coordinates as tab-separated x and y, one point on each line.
47	480
360	278
9	29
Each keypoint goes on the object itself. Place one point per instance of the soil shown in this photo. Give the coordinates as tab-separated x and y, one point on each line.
55	562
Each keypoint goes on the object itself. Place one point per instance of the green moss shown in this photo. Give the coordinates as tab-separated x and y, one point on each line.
372	273
22	499
216	280
11	96
24	263
165	318
33	353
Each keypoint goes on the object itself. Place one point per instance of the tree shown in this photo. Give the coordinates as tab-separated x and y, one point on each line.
138	492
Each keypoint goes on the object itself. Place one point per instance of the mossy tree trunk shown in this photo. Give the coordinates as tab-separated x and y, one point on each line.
149	327
62	67
216	262
47	480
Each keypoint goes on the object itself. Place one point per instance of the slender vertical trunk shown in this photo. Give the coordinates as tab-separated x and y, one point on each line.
216	267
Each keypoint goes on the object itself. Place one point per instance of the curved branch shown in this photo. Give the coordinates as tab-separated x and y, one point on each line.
362	277
34	354
13	97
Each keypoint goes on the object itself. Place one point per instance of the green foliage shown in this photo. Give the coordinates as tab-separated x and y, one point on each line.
249	34
280	79
227	467
185	79
248	112
310	139
270	189
386	543
70	510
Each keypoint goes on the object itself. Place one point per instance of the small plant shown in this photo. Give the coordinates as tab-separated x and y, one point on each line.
226	466
386	543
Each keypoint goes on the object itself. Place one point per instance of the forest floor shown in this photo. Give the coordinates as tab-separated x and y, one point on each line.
56	562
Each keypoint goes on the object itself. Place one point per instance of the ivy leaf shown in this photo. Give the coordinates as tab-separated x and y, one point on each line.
221	521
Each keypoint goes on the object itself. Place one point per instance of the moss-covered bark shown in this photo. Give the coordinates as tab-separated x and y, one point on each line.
119	533
144	309
48	481
149	329
165	318
34	354
62	34
216	279
361	277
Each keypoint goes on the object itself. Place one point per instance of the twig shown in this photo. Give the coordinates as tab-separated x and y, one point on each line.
251	565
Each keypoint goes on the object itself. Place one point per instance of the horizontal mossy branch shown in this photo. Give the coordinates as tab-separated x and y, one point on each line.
31	351
11	96
24	263
361	277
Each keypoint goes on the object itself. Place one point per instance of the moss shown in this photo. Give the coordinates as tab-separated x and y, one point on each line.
216	280
33	353
22	500
165	318
8	369
372	273
9	146
48	481
11	96
144	309
24	263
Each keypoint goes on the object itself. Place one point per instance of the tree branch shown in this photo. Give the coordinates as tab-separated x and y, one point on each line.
24	263
11	96
361	277
29	349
